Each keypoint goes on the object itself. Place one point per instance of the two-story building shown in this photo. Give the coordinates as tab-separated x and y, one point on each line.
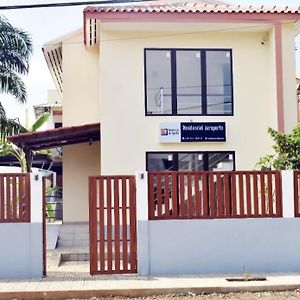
175	86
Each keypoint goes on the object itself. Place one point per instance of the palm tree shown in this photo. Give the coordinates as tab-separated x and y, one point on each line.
15	51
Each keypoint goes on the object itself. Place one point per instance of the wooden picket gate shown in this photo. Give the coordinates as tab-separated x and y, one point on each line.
112	224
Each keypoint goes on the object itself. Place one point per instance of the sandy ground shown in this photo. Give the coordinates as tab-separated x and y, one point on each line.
290	295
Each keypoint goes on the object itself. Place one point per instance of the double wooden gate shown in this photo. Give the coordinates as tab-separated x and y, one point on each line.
112	221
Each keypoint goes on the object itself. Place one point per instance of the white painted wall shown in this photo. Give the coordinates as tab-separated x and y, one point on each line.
21	247
232	246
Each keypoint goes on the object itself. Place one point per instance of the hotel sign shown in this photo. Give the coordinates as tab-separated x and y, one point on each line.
192	132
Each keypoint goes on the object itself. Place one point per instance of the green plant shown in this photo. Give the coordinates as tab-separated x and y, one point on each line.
15	51
24	158
49	208
287	151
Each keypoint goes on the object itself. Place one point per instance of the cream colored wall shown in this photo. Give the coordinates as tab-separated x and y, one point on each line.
80	82
80	106
80	162
289	75
127	134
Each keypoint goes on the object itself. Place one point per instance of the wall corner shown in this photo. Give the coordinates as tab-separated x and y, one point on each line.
142	223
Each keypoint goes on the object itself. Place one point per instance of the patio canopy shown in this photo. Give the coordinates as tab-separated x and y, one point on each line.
58	137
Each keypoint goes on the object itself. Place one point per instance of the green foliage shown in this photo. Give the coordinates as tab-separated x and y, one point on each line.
287	151
15	51
8	148
39	122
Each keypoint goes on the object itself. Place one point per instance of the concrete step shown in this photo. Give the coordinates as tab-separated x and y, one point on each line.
73	235
51	236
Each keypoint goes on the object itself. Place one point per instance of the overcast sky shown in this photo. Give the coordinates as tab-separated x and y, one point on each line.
45	24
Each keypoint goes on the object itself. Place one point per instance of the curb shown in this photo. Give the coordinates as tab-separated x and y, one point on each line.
83	294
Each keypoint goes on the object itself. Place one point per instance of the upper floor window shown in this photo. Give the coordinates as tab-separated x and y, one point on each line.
188	82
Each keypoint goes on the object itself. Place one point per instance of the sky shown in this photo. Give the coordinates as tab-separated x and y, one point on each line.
46	24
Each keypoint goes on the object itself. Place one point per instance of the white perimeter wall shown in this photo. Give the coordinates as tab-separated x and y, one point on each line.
221	246
21	247
21	253
218	246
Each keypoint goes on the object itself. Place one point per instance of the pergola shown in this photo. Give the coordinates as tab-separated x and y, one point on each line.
53	138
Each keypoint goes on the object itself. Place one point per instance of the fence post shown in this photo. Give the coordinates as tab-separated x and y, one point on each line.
288	205
36	195
142	223
36	220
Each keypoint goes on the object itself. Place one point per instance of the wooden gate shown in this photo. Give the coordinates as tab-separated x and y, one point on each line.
112	224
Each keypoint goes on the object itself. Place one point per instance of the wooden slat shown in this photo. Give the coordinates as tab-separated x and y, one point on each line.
296	192
28	197
124	224
14	198
205	198
278	194
263	194
8	199
102	239
133	250
227	204
255	195
2	200
248	196
150	195
233	195
190	197
166	196
117	225
212	204
109	226
219	198
219	195
241	194
92	226
182	197
175	196
106	206
159	196
270	195
197	196
21	195
12	201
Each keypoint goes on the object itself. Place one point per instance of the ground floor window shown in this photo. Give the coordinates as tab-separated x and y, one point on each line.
190	161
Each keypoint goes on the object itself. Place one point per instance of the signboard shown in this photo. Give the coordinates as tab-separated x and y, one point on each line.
192	132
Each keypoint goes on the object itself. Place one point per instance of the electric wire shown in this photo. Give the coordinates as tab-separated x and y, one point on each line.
65	4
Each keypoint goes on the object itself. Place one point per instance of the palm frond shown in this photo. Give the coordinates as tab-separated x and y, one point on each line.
11	83
15	38
9	126
14	61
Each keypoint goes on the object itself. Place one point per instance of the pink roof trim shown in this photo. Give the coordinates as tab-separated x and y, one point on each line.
191	6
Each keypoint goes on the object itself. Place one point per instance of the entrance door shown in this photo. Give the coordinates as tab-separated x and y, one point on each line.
112	221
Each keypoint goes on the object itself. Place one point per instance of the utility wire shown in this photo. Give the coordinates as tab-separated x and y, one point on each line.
66	4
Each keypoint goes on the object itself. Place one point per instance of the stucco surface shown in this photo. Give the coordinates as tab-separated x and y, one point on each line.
21	253
224	246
